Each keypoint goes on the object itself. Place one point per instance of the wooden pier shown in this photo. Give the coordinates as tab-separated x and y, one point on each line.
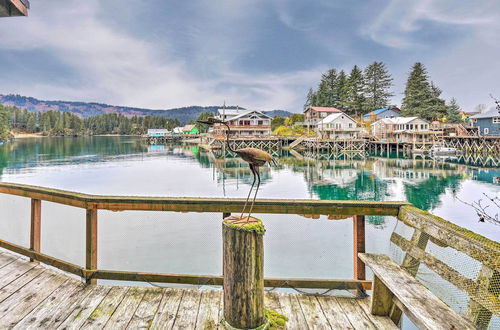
32	296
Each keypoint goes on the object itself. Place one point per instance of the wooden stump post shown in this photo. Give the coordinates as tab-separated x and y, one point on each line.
243	257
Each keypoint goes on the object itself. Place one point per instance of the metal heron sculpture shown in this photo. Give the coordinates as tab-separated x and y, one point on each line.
253	156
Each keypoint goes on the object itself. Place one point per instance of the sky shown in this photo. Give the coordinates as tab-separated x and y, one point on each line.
260	54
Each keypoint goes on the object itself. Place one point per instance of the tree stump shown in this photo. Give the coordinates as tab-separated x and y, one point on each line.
243	257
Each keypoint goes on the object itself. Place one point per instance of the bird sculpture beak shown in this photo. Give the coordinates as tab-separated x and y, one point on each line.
204	122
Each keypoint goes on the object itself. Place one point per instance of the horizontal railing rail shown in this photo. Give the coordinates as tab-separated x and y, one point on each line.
190	204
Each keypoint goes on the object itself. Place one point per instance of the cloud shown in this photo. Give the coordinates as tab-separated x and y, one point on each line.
400	22
117	68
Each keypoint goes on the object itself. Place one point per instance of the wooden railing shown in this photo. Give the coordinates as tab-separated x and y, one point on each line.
483	291
93	203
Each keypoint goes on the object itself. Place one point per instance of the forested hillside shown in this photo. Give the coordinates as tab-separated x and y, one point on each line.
88	109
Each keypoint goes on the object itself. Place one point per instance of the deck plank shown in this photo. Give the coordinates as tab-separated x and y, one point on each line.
145	312
355	313
23	301
380	321
85	307
334	313
167	311
14	270
125	311
272	301
313	312
56	316
102	313
41	315
6	259
208	312
188	310
292	310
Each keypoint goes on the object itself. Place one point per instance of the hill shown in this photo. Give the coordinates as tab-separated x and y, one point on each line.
89	109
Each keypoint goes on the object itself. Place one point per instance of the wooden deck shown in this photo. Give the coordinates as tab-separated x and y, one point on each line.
35	297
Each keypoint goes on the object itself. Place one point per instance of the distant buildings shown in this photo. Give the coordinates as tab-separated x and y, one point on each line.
338	126
313	115
488	123
387	112
403	129
14	8
158	132
243	122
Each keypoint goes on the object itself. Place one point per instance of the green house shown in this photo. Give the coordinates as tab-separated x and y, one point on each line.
190	129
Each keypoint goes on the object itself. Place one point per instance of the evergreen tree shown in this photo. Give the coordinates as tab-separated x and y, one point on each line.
203	128
453	111
4	123
340	90
327	90
31	124
354	98
310	99
377	89
421	97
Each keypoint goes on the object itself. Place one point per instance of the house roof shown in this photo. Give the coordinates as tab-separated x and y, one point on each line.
231	112
247	112
397	120
379	111
323	109
238	113
188	127
334	116
488	114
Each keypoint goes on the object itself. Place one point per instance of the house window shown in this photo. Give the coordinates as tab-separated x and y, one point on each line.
496	120
260	122
350	125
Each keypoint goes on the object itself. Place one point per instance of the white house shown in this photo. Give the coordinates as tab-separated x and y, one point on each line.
338	126
244	122
403	129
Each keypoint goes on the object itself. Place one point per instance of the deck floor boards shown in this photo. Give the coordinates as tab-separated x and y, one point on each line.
35	297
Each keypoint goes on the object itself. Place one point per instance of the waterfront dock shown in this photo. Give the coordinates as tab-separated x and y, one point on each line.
34	296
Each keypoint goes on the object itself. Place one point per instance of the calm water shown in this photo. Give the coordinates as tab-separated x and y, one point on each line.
296	246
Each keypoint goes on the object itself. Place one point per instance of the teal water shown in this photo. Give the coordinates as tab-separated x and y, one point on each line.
296	246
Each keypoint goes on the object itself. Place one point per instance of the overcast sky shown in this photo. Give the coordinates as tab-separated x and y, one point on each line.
261	54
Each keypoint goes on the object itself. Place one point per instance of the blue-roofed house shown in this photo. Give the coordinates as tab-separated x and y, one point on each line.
387	112
488	123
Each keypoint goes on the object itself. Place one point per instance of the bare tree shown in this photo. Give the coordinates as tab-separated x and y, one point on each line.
483	210
496	102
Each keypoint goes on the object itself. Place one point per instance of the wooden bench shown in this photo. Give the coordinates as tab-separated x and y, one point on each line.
393	285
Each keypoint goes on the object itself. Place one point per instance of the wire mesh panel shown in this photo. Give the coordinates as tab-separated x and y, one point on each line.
466	284
15	215
63	232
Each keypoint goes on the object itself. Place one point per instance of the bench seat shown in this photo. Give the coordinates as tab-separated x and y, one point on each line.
393	285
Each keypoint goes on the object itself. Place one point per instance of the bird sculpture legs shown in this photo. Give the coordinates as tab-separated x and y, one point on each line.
248	197
256	171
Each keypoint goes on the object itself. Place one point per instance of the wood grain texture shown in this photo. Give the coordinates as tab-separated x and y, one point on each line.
243	268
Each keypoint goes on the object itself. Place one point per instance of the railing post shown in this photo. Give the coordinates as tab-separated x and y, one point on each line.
36	215
359	247
91	243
